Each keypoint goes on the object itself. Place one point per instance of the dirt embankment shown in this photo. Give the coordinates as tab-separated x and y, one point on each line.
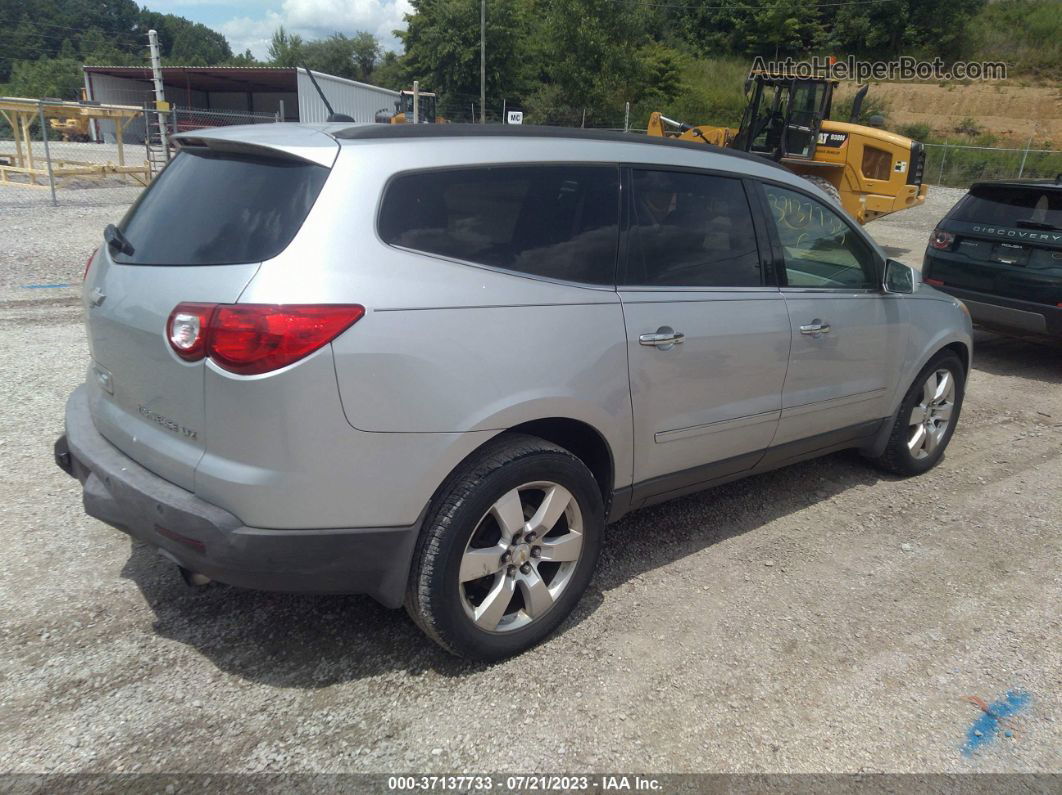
1013	112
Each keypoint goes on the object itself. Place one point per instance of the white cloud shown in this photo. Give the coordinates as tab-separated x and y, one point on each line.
315	19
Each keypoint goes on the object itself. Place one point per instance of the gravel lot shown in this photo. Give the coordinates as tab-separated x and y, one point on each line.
819	618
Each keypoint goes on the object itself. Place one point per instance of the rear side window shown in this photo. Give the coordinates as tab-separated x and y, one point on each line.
561	222
1029	207
691	230
220	208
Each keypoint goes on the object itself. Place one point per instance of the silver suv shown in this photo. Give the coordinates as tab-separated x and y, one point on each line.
432	363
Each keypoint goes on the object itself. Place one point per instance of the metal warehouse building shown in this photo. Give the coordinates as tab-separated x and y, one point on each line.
229	92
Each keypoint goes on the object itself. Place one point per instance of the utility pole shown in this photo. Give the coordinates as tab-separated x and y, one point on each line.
160	94
416	102
482	61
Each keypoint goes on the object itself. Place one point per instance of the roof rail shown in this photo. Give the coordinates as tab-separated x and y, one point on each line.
362	132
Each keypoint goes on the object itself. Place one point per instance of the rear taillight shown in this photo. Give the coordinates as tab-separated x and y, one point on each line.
187	330
942	240
88	264
249	339
256	338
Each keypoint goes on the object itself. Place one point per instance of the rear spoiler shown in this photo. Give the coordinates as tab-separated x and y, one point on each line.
318	155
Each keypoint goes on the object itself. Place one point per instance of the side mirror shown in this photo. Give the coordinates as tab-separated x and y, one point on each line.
899	278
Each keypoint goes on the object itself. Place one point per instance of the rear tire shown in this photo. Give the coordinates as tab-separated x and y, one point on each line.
826	186
927	417
507	550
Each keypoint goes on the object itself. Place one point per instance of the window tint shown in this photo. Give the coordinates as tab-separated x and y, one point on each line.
691	230
217	208
820	248
560	222
1031	207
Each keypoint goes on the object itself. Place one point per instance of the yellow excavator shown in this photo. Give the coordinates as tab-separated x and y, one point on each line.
868	171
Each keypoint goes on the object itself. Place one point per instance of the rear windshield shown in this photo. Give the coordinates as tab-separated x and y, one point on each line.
220	208
1030	207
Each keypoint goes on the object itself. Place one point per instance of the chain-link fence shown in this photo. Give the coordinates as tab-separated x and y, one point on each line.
185	119
50	144
55	145
960	165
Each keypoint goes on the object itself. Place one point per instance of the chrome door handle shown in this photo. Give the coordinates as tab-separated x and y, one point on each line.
665	338
816	328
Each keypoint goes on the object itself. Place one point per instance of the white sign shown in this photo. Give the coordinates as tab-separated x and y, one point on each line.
514	117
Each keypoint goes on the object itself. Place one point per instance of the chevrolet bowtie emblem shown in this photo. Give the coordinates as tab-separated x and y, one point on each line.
97	296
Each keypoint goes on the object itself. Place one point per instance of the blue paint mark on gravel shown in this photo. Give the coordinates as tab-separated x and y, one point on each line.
44	286
995	720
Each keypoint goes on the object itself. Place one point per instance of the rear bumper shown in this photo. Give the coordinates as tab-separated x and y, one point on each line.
206	539
1008	314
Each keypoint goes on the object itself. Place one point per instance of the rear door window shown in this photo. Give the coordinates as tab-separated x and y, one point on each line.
1011	206
560	222
220	208
691	230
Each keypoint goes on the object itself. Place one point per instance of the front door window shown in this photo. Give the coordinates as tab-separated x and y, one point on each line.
820	249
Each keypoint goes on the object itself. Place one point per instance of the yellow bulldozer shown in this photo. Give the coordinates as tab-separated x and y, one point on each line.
426	103
868	171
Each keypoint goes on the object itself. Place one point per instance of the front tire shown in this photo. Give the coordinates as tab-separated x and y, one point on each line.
507	550
927	417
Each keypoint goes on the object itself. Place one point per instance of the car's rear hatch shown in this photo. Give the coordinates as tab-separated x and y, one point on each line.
1007	243
197	234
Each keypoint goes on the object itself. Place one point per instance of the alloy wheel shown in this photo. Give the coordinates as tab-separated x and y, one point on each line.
931	416
521	556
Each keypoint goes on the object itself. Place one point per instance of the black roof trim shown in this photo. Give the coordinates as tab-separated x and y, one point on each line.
402	131
1032	182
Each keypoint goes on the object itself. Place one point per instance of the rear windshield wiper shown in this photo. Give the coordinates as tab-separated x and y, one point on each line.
1029	224
116	240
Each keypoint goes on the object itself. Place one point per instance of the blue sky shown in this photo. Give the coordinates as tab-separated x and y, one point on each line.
250	23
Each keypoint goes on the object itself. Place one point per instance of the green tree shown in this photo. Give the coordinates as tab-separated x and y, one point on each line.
442	49
192	47
596	55
245	58
344	56
60	78
285	49
183	42
771	28
781	28
98	49
390	72
110	32
19	39
354	57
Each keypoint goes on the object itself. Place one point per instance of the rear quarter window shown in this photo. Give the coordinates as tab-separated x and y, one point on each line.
220	208
559	222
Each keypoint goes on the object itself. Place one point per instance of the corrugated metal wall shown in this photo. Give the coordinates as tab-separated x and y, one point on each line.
111	90
357	100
